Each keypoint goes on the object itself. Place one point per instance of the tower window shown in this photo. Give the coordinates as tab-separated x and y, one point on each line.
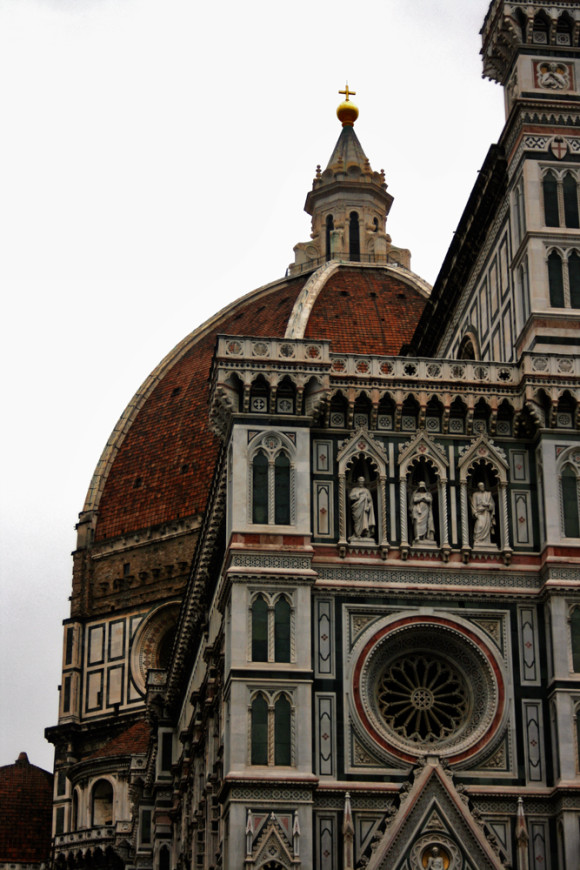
540	31
272	484
260	488
282	717
524	293
575	638
259	630
561	200
551	210
354	237
570	190
282	614
259	730
519	212
564	31
574	279
564	279
329	229
569	484
271	629
271	730
66	695
556	280
282	489
69	645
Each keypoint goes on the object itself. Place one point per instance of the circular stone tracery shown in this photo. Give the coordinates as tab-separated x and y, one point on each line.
422	699
428	684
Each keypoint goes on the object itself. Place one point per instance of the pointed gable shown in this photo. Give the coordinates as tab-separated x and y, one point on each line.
434	815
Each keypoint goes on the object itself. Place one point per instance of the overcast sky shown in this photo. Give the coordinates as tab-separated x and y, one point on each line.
154	161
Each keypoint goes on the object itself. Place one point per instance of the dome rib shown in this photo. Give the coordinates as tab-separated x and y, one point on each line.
158	463
192	357
306	300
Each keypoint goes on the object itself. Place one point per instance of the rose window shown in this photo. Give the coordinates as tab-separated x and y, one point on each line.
422	699
425	684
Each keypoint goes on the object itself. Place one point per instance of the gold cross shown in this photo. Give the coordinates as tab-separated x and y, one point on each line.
347	93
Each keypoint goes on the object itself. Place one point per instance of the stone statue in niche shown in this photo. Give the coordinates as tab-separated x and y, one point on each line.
483	512
362	509
435	861
422	515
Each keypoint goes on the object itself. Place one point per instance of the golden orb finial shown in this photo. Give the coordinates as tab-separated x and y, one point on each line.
347	112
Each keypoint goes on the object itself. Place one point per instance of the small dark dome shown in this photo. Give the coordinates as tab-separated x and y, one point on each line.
25	812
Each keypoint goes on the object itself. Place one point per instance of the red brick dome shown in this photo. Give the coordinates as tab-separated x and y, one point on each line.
159	461
25	812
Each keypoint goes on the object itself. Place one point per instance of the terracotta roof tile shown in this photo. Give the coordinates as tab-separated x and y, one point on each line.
165	464
134	739
169	446
365	311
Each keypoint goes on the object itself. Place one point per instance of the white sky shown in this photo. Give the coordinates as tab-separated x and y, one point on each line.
154	161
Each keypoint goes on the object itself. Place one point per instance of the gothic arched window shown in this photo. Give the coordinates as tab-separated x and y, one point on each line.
272	482
260	488
271	730
541	29
282	490
574	279
570	189
259	730
575	638
564	30
524	293
329	229
354	237
271	626
282	731
577	734
282	616
520	221
551	210
570	513
259	630
556	280
466	348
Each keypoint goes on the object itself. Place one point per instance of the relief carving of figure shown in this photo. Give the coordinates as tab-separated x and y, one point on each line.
483	511
422	514
363	512
435	861
554	76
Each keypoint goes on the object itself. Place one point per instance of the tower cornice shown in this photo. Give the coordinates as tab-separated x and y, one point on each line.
511	28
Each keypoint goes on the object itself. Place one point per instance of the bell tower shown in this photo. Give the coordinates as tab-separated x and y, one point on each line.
532	50
349	206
